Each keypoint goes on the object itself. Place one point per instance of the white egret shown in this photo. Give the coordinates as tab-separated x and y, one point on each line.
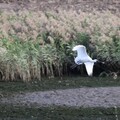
82	57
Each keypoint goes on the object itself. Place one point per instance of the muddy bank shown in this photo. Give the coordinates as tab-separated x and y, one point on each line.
81	97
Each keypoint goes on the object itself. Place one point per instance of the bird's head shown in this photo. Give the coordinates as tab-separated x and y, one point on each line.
95	60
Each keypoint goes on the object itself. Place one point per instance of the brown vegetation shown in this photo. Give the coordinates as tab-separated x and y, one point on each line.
36	37
84	5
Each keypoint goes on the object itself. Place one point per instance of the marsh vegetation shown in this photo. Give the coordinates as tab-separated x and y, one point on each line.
36	44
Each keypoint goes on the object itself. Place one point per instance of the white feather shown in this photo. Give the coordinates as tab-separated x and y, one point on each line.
89	67
83	57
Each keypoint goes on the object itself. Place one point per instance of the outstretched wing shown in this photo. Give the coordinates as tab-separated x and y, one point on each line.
82	52
89	67
82	55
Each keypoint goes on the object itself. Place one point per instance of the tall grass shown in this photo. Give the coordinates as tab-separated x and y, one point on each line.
27	60
35	44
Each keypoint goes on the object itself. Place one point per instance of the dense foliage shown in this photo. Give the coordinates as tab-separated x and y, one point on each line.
39	44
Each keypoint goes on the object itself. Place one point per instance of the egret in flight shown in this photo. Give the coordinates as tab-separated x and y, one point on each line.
82	57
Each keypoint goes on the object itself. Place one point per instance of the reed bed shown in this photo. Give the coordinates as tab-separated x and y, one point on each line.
36	44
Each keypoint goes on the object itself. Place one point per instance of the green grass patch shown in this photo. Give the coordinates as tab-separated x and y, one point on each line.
58	113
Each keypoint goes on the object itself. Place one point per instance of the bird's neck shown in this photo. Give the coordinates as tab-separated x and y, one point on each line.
78	53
